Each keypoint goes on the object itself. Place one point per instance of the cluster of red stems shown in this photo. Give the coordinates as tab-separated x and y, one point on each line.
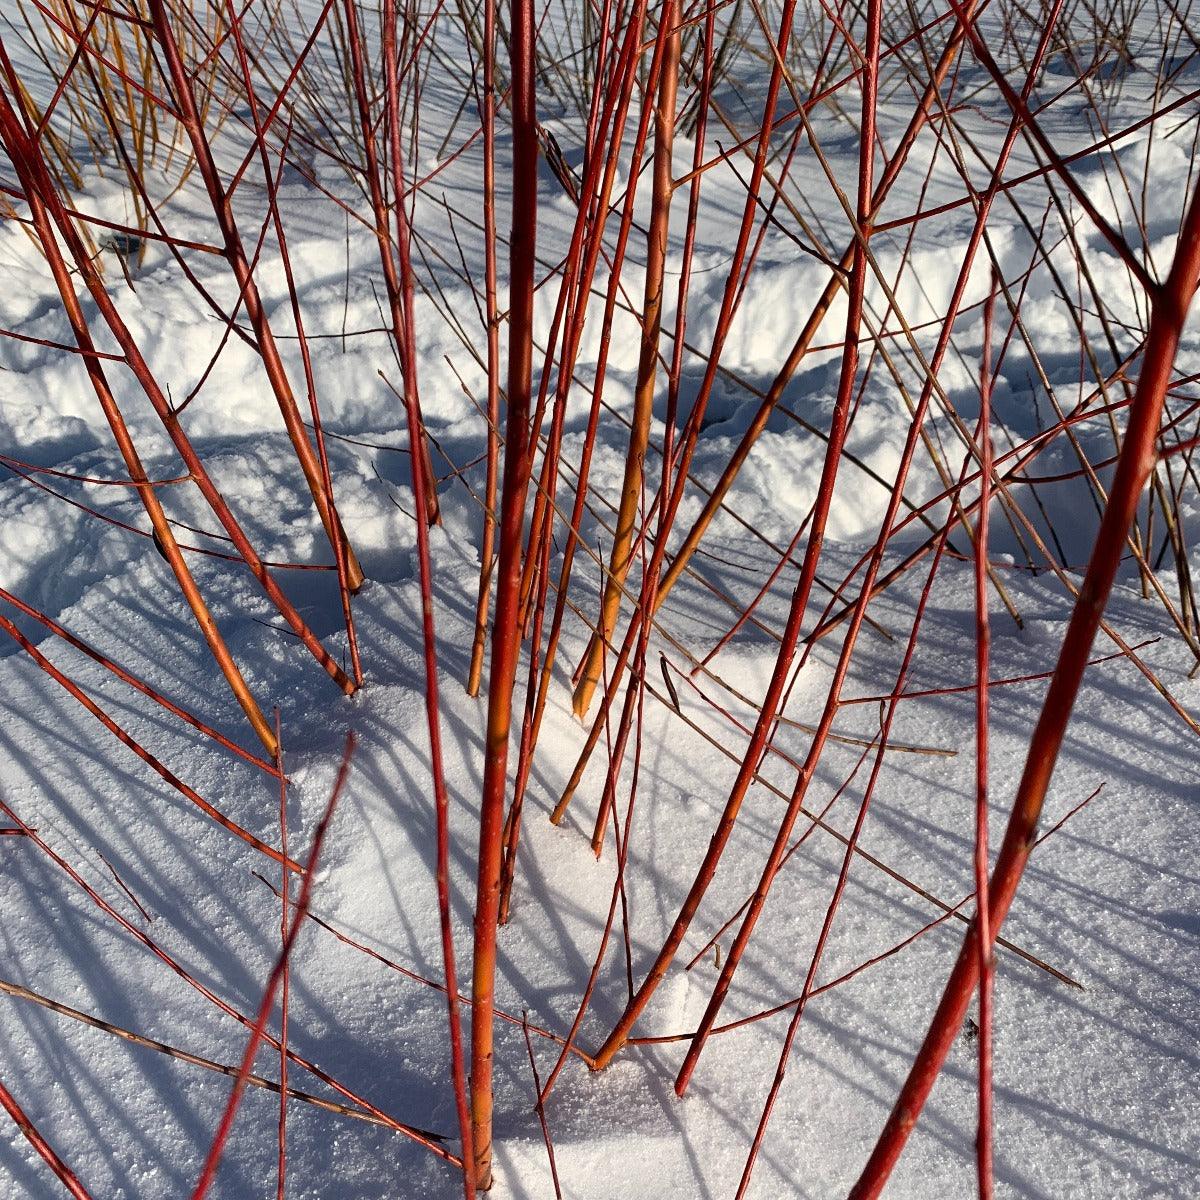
150	85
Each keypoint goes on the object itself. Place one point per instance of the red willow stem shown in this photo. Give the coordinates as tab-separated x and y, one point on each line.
30	476
776	1009
983	1138
285	885
230	322
699	136
407	973
818	94
648	601
506	635
19	466
423	489
800	348
207	1064
71	33
887	717
618	894
765	726
570	314
1169	305
65	1175
817	818
1024	453
60	346
1037	444
812	828
260	127
535	698
68	71
540	1108
599	188
747	614
487	549
772	396
393	116
992	683
441	801
1019	104
575	290
1015	182
278	975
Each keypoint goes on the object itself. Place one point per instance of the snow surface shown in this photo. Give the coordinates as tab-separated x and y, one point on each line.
1095	1088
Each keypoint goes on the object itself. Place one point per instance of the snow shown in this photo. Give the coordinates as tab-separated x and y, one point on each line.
1095	1086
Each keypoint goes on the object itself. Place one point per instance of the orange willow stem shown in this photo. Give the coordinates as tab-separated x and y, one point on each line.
248	290
643	401
604	141
506	635
773	395
586	243
672	497
765	725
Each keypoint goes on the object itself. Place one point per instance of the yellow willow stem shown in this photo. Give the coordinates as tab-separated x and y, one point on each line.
643	402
